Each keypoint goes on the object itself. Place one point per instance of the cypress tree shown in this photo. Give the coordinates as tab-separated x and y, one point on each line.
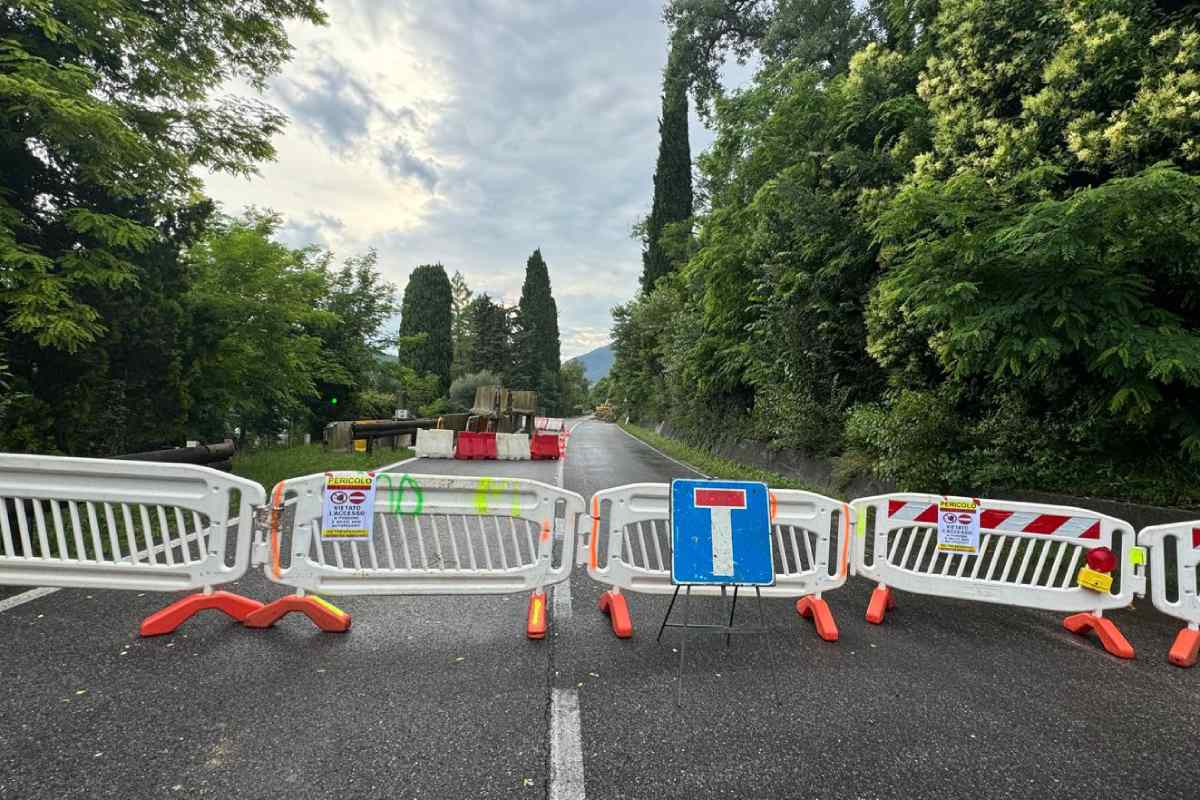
427	310
537	354
672	172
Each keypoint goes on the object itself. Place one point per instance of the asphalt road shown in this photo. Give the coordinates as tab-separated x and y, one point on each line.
444	697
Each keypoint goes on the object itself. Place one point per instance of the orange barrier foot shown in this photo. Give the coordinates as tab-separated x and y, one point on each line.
614	605
816	609
324	614
535	628
179	612
882	602
1110	637
1186	650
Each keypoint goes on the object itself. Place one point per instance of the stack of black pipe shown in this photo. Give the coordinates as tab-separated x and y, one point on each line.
217	456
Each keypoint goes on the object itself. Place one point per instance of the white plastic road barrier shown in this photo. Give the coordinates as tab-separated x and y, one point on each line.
433	443
1175	591
810	534
108	524
548	424
1028	555
512	446
431	535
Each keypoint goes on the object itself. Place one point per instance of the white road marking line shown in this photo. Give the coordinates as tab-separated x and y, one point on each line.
25	597
562	601
566	749
562	460
391	467
566	734
688	467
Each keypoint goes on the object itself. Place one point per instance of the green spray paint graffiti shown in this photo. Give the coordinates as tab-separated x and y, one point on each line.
401	489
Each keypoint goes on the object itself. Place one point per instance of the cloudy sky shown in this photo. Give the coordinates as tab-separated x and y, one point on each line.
470	132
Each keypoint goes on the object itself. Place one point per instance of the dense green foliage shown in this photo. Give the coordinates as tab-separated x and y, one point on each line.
460	308
490	331
672	200
954	243
426	323
574	398
106	110
600	391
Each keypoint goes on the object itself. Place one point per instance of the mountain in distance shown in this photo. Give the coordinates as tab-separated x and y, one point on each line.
597	363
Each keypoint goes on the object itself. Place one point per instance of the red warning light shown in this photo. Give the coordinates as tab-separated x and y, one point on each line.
1101	559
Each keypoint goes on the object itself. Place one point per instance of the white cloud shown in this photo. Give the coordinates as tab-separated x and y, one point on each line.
470	133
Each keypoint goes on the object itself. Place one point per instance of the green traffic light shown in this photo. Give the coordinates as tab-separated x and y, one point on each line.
333	400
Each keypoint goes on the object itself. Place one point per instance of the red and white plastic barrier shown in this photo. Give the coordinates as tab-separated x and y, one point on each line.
512	447
433	443
632	551
1028	555
1184	602
475	445
546	446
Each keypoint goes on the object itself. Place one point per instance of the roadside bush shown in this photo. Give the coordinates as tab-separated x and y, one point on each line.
800	419
913	440
435	409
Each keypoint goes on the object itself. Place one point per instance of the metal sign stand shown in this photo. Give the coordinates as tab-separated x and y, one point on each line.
728	629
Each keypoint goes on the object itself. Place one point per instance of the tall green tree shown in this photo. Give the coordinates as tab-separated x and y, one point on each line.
258	326
575	388
817	36
490	334
460	303
672	201
426	323
536	351
361	301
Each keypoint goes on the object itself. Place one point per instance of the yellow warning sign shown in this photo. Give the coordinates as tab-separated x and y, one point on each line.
958	526
348	507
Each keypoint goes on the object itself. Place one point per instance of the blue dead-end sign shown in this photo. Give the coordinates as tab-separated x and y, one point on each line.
721	533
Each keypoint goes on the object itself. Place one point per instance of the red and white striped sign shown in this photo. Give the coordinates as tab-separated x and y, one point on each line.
1196	537
1007	521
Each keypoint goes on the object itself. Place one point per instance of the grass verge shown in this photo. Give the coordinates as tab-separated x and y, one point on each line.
268	467
715	465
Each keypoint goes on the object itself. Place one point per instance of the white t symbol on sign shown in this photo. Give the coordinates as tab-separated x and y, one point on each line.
721	504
